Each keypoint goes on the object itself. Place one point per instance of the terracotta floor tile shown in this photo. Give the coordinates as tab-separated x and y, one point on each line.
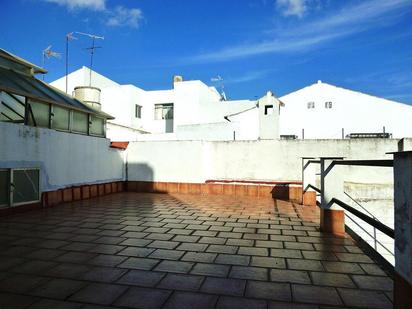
182	251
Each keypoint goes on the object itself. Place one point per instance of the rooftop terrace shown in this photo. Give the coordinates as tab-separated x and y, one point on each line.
139	250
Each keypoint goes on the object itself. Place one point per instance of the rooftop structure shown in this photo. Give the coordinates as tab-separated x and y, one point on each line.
325	111
192	110
27	100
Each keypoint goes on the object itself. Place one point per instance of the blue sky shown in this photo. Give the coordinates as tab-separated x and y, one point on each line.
255	45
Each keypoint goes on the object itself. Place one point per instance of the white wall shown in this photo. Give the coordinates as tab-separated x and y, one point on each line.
64	159
194	103
278	160
259	160
354	111
120	101
81	77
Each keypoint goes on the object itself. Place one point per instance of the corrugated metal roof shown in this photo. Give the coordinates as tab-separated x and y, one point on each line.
36	89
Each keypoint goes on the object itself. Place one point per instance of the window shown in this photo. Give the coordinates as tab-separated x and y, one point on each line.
163	111
311	105
19	109
25	185
97	126
80	122
268	109
41	114
328	104
138	111
11	108
19	186
61	118
4	187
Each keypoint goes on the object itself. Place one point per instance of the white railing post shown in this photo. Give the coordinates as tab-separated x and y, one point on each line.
332	217
402	171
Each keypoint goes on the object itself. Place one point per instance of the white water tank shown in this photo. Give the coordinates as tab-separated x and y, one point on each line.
88	95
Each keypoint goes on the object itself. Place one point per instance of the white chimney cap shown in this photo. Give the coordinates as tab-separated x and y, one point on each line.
319	81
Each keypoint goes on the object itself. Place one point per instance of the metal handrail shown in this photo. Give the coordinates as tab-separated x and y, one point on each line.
384	163
309	186
375	223
380	163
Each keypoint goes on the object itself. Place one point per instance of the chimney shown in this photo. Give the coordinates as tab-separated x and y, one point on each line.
177	78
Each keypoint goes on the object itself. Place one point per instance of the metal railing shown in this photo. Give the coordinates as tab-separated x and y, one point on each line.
331	200
373	222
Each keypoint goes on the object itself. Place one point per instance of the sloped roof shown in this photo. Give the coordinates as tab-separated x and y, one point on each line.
33	88
17	59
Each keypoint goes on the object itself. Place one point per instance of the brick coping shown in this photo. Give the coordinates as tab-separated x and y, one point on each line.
292	193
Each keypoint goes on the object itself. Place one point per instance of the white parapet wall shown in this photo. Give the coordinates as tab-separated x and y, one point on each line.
197	161
64	159
371	188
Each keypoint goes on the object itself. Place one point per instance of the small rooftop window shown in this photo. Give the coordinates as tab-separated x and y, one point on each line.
268	109
328	104
138	111
311	105
163	111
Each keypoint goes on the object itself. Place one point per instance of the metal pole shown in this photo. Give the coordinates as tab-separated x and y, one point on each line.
67	62
91	62
43	63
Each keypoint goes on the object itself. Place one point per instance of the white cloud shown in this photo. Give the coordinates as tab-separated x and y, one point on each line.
292	7
250	76
122	16
96	5
117	17
347	21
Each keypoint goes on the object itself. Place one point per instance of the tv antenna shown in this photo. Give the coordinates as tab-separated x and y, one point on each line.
92	50
48	53
219	81
69	37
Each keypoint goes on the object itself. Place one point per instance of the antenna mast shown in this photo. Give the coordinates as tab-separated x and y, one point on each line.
69	36
92	50
219	81
48	53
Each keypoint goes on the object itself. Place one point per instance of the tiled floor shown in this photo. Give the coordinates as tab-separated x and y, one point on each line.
150	251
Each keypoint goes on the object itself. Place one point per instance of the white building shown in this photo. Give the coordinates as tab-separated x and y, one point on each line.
191	110
323	111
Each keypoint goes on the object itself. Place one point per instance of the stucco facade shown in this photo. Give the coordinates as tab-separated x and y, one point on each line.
319	111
